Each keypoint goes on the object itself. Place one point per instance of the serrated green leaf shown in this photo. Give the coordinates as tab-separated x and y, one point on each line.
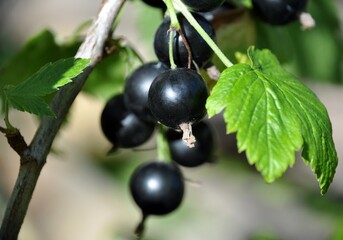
36	52
32	104
26	96
274	116
50	77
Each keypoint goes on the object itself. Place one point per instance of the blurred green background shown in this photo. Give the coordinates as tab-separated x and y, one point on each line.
83	194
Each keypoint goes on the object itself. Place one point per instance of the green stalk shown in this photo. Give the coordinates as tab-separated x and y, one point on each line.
6	119
171	54
174	26
163	151
183	9
174	23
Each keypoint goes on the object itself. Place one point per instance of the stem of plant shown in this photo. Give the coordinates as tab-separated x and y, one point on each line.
172	14
174	27
6	119
163	152
34	157
171	54
183	9
184	40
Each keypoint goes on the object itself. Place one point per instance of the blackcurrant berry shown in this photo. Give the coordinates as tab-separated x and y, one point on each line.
279	12
200	51
123	128
196	156
156	3
203	5
221	14
157	187
137	87
178	96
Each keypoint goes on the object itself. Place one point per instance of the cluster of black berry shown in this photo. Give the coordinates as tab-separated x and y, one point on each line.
171	92
156	93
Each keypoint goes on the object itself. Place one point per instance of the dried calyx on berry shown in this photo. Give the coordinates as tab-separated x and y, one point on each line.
177	99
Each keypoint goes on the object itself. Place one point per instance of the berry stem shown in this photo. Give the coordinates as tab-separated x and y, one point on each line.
139	231
171	32
189	52
6	119
183	9
174	26
163	151
174	23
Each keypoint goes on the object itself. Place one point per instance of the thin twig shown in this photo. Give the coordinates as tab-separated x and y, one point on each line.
35	155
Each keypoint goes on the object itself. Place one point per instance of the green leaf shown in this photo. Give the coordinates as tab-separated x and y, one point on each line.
36	52
274	116
27	95
31	104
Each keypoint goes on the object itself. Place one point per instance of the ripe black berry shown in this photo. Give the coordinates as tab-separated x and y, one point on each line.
157	188
178	96
137	87
202	5
279	12
220	15
200	51
156	3
123	128
192	157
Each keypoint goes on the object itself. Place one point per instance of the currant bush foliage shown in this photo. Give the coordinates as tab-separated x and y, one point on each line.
27	95
274	116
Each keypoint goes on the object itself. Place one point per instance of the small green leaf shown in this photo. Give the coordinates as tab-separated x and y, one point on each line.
37	51
274	116
31	104
27	95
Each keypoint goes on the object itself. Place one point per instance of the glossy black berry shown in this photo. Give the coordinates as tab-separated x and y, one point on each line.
157	187
123	128
201	52
219	15
155	3
203	5
199	154
279	12
137	87
178	96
